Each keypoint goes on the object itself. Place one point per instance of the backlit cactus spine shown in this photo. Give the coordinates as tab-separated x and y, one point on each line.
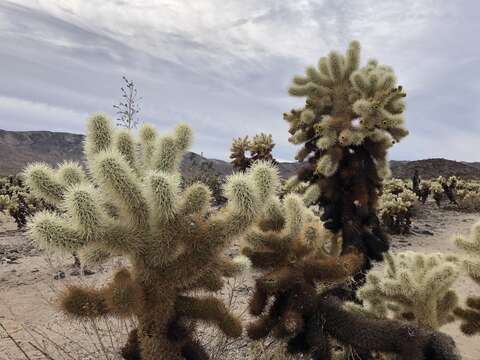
133	207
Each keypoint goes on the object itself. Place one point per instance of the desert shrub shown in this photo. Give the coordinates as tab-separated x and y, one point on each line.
449	187
174	240
423	191
396	207
17	201
437	192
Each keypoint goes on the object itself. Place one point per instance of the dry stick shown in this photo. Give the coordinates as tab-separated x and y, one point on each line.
41	351
14	341
55	345
99	338
109	331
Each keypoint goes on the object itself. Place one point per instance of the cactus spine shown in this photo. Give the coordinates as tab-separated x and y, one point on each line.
133	207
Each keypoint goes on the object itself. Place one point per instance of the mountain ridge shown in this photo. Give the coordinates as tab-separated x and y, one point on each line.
18	148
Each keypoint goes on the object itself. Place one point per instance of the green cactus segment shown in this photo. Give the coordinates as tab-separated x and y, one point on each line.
415	287
131	205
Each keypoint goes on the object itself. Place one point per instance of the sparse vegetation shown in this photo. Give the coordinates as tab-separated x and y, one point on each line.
177	284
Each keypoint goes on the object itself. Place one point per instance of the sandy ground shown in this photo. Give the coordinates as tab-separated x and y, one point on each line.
28	288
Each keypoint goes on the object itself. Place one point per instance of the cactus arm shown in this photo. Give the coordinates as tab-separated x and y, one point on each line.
82	302
210	310
70	173
196	200
263	259
41	179
210	281
404	339
333	269
470	316
118	181
53	231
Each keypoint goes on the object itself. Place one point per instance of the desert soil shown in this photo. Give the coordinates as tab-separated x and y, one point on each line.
30	280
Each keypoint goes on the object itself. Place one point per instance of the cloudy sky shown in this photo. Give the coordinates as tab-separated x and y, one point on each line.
224	65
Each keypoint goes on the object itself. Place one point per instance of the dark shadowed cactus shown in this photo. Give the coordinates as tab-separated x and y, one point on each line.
301	266
352	116
133	206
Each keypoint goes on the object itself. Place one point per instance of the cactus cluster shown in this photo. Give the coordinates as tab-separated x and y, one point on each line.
130	204
302	271
470	316
352	116
396	206
415	287
468	195
260	148
17	200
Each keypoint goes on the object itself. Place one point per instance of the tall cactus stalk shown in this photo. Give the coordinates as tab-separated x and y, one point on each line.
352	116
132	206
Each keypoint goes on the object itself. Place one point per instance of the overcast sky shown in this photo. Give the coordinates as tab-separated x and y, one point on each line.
224	65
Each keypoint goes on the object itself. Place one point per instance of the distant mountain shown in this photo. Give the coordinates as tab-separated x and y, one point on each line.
18	148
432	168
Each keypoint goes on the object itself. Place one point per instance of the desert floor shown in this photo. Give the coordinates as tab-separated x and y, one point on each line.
30	281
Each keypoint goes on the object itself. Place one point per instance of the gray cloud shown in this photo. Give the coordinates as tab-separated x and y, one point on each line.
224	66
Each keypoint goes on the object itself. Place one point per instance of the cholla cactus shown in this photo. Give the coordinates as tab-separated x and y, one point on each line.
437	192
449	186
471	315
351	118
16	198
414	287
423	191
238	150
260	148
396	209
133	207
301	267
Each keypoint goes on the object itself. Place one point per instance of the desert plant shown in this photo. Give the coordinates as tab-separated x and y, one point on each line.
416	182
129	107
437	192
396	209
346	163
133	207
414	287
301	267
449	187
423	191
351	118
470	316
260	148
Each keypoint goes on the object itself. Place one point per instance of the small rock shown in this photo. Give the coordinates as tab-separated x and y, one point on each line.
59	275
